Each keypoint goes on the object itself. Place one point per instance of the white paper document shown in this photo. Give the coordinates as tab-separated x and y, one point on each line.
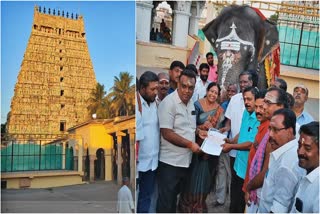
212	144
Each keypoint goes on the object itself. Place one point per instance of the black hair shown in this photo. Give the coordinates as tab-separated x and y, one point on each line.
204	65
252	75
208	54
193	68
137	84
177	64
261	94
283	84
311	129
255	77
214	84
146	78
282	96
242	73
290	100
289	120
188	73
253	90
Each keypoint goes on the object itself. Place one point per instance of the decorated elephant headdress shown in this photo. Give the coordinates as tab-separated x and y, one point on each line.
244	40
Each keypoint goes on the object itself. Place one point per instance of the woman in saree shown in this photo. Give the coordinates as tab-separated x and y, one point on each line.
194	193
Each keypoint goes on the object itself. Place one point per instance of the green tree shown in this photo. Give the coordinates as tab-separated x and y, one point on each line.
274	17
122	95
98	103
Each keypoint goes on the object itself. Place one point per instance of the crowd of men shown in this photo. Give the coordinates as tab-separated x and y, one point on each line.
270	160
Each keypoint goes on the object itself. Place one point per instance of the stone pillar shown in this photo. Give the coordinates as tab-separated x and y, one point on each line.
196	10
143	23
181	24
194	26
108	165
132	157
119	158
64	155
80	154
153	14
92	158
75	163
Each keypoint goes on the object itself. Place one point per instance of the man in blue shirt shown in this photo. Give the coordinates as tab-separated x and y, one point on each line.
300	95
242	142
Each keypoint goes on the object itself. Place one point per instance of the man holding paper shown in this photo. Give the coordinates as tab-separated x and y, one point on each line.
177	121
248	131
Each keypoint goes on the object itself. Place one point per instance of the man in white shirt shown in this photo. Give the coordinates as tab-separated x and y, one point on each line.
307	197
283	174
275	99
178	125
125	201
201	83
149	145
233	116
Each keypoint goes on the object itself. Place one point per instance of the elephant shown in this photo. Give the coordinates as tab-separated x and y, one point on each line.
242	38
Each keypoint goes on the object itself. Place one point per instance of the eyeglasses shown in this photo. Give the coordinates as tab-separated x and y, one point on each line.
276	130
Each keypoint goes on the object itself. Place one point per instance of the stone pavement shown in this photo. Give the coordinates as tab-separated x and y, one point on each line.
217	209
97	197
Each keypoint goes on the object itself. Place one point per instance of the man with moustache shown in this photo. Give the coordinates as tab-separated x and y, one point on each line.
274	99
242	143
307	197
201	83
163	87
178	125
283	174
213	71
256	154
149	145
300	95
176	68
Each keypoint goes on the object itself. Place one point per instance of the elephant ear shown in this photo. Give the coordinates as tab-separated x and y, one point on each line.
270	41
210	30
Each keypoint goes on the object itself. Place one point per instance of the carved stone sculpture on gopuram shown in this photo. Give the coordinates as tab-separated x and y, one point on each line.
56	76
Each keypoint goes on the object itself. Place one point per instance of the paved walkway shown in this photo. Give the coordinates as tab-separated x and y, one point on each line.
217	209
97	197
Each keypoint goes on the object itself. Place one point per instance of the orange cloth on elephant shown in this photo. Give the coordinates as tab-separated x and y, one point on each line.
276	60
262	130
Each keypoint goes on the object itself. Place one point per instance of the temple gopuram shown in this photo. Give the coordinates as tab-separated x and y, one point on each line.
52	140
56	77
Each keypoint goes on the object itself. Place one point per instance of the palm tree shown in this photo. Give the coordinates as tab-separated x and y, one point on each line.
122	95
98	103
